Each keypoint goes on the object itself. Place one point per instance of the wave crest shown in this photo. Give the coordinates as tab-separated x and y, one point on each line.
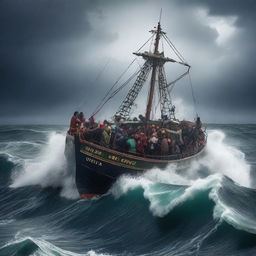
49	168
40	247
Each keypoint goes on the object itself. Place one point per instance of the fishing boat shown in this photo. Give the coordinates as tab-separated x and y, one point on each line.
99	165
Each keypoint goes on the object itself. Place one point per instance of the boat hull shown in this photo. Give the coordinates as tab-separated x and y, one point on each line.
97	167
93	180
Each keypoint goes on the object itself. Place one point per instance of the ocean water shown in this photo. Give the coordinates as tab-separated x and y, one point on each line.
208	209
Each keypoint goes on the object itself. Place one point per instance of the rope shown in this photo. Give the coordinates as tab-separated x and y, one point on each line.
176	80
103	69
96	79
108	92
138	63
151	44
175	50
101	105
162	44
145	43
193	94
124	84
168	91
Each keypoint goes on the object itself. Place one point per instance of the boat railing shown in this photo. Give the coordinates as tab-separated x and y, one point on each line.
159	157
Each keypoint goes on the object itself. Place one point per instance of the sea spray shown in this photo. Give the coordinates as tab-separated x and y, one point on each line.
224	159
178	195
169	175
204	208
163	197
220	159
49	168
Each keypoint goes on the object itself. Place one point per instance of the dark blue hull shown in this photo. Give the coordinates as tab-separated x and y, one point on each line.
92	180
97	167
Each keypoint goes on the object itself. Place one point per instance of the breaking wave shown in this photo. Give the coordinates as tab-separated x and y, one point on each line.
49	168
225	159
166	189
161	212
39	247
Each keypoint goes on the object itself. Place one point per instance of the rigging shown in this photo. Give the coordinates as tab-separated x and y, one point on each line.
154	63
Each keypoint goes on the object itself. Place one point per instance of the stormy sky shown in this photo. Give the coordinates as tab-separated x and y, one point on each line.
57	56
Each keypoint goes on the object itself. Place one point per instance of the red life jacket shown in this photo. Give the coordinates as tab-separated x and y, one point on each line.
140	146
73	122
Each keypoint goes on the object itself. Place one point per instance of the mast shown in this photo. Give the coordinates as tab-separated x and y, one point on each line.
154	61
153	76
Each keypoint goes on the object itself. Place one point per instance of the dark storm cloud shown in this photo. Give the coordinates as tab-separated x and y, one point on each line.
38	22
245	9
37	55
52	51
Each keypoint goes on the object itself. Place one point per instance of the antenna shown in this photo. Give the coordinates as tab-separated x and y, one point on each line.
160	16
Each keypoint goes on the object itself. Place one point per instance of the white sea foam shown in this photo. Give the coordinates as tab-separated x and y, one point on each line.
224	159
48	249
173	198
155	176
219	159
163	198
231	215
49	168
7	221
19	150
11	158
170	175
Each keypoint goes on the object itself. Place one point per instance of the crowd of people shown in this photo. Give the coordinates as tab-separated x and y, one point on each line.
139	138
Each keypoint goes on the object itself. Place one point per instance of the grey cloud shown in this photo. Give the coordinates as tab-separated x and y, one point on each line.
52	51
